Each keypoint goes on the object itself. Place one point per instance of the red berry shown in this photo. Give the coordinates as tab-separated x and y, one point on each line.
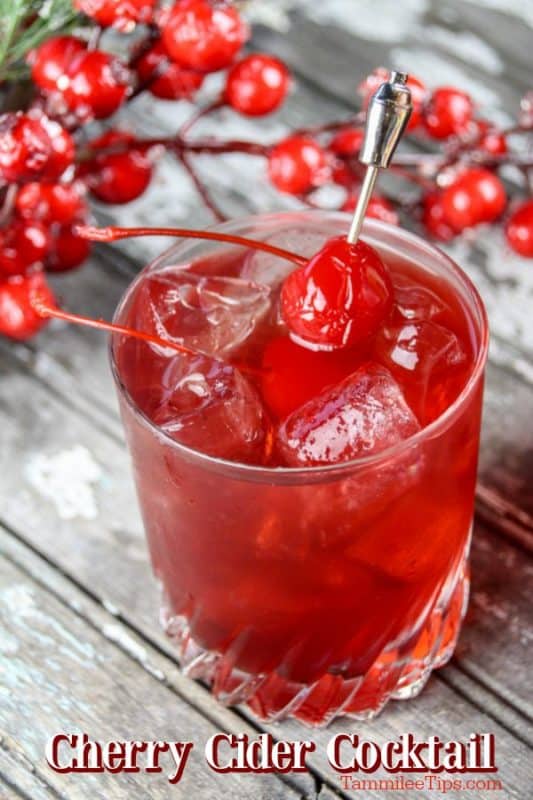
519	229
50	61
339	298
448	113
123	14
96	84
378	208
433	218
63	150
297	164
50	202
172	82
18	318
68	250
477	195
23	244
490	139
294	374
117	177
257	85
25	147
418	89
203	35
347	142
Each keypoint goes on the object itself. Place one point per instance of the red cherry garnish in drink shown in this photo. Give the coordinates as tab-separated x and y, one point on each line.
339	298
294	374
50	61
50	202
116	177
123	14
448	113
96	84
203	35
67	250
519	229
23	244
257	85
476	195
26	147
297	164
18	317
165	79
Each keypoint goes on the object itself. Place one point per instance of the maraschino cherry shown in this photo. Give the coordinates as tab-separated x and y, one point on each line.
343	294
339	298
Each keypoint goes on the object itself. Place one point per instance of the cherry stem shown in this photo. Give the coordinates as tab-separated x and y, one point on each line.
48	312
199	114
102	325
113	234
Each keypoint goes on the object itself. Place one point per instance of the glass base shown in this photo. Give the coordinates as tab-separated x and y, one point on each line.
400	672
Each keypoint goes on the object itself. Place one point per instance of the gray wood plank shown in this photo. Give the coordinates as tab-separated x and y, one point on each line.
20	777
106	552
439	710
60	675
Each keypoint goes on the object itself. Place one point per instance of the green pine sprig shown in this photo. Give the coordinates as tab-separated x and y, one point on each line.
24	24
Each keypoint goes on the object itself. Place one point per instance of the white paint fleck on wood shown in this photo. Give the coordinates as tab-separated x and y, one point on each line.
67	478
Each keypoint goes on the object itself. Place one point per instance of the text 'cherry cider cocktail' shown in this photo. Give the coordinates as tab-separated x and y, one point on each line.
308	512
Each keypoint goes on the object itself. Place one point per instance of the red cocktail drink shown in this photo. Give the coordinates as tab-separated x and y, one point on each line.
308	513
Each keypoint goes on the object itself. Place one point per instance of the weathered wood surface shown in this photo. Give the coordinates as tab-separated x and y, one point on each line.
77	548
60	674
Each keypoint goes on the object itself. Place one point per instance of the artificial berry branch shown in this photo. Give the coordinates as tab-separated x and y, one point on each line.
48	169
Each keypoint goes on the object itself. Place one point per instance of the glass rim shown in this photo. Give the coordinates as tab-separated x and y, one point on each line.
290	475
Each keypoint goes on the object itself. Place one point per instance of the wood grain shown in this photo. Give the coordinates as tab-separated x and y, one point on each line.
60	675
85	596
440	709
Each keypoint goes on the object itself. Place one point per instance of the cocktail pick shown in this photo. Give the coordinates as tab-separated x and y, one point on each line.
387	116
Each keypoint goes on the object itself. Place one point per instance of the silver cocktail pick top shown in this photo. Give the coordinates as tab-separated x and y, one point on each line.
387	115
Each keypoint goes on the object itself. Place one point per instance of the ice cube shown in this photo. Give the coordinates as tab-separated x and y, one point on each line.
210	406
429	362
363	414
415	302
271	270
208	313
